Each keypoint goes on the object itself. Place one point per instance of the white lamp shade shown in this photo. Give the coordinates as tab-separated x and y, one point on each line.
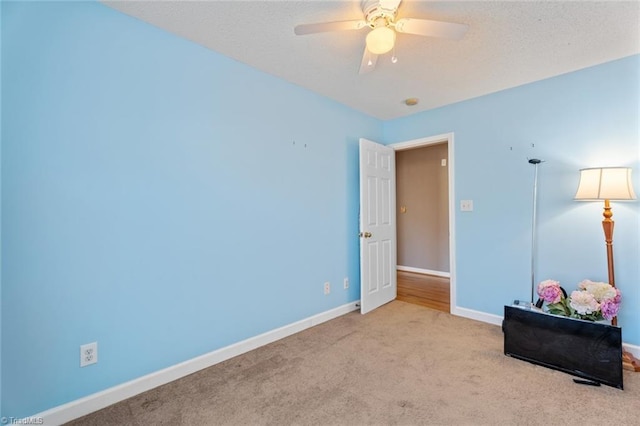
381	40
605	183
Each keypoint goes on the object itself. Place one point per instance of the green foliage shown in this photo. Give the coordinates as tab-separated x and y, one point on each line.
563	308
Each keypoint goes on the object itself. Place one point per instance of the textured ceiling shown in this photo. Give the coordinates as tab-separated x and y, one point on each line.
508	44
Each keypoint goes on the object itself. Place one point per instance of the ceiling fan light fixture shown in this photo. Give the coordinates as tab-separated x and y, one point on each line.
381	40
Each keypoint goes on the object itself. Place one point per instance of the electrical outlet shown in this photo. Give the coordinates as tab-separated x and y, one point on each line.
346	283
88	354
327	287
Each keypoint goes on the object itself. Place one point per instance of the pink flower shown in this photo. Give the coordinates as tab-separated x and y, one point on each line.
593	301
549	291
609	308
618	297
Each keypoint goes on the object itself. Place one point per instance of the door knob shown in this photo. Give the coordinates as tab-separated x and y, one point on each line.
365	234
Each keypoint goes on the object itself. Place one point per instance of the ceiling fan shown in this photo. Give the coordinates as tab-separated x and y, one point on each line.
380	17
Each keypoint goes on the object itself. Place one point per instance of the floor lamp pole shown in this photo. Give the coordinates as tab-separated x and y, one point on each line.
607	226
535	163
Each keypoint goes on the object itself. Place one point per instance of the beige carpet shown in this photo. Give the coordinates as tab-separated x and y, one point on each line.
401	364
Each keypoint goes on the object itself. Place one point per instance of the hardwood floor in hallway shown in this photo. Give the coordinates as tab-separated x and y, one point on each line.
426	290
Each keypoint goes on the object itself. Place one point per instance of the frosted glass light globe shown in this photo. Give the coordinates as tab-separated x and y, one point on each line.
381	40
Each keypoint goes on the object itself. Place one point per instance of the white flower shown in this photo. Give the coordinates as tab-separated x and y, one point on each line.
599	290
584	302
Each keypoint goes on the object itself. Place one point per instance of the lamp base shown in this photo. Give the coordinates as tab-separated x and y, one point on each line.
629	362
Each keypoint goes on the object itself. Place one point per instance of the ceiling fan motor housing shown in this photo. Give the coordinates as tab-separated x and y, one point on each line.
374	11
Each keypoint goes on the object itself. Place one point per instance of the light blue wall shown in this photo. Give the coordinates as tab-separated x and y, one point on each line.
0	213
155	202
583	119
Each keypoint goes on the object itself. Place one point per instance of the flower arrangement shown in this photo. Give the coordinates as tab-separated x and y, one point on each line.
593	301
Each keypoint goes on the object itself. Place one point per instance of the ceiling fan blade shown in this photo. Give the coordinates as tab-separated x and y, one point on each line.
426	27
368	62
329	26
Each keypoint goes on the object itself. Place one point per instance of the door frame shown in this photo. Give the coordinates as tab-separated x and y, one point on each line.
431	140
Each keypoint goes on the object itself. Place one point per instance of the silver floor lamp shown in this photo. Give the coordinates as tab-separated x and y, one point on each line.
535	163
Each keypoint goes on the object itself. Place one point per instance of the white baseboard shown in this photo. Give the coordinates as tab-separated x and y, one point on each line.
632	349
423	271
83	406
477	315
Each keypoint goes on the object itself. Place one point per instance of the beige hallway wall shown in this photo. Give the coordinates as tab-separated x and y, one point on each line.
423	225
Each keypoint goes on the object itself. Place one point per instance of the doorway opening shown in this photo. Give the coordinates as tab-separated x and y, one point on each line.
425	212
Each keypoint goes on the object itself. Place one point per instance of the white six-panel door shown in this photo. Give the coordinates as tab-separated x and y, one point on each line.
377	225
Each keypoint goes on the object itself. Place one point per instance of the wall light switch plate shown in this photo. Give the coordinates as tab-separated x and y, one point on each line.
466	205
